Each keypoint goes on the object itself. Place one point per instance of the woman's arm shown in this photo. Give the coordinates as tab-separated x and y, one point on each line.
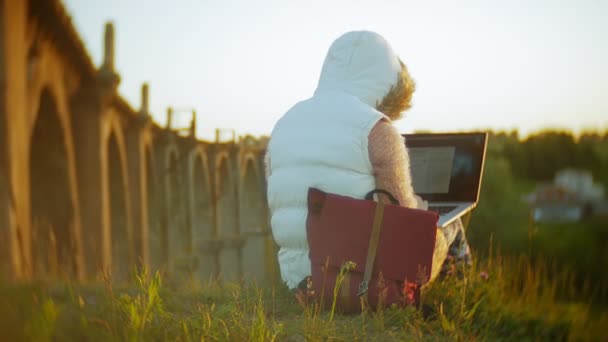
391	163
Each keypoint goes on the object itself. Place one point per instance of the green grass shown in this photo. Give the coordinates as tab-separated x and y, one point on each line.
503	217
545	282
520	299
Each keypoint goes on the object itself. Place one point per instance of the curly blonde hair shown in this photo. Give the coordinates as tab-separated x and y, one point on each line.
399	97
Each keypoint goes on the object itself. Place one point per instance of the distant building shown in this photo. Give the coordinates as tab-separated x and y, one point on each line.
554	203
581	183
571	197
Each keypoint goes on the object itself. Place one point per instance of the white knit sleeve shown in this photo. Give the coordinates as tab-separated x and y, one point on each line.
391	163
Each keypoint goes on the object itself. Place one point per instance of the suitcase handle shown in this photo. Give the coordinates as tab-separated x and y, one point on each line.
370	195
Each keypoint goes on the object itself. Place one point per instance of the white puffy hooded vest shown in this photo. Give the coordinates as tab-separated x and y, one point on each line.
322	142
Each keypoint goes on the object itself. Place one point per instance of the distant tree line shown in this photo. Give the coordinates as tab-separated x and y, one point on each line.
513	168
539	156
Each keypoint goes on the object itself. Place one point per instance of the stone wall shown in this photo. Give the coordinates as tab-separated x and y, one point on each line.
90	186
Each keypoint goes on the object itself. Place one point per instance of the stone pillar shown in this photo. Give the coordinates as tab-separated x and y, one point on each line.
180	225
172	212
88	107
136	168
169	118
193	125
136	159
206	253
204	242
15	217
108	52
256	266
227	216
144	110
271	250
87	110
159	241
10	267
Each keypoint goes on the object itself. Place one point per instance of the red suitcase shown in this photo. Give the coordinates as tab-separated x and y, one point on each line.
340	229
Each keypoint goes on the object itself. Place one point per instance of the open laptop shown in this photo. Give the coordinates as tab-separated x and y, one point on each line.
446	171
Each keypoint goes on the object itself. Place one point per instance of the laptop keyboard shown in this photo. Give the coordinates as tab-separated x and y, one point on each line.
442	209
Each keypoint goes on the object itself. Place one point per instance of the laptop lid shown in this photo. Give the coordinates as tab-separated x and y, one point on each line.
447	167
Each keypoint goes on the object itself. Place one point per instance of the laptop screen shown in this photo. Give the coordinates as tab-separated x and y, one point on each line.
447	167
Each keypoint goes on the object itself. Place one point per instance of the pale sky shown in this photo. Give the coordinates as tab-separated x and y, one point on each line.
524	64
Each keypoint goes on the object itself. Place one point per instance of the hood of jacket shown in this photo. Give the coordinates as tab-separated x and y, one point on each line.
362	64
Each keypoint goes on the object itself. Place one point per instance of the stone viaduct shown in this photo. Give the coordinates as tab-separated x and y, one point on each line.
89	185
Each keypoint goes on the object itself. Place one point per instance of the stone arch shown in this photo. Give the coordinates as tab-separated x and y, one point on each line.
227	220
226	199
118	233
53	198
202	215
251	199
52	76
201	196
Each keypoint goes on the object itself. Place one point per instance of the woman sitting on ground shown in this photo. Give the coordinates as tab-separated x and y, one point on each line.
342	141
